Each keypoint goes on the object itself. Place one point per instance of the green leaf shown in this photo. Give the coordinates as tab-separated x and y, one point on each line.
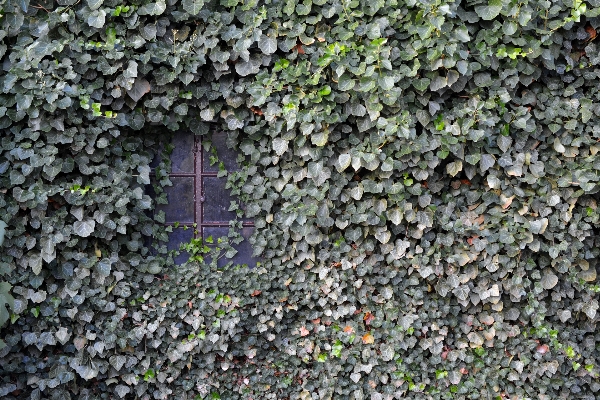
281	64
280	146
345	83
336	349
454	168
267	44
3	227
5	300
84	228
36	262
319	138
97	18
193	7
96	109
325	90
491	11
344	161
149	374
386	83
153	8
94	4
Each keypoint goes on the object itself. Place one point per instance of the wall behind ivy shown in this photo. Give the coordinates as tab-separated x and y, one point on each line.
423	178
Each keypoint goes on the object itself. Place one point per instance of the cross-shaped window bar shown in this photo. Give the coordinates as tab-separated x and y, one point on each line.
198	196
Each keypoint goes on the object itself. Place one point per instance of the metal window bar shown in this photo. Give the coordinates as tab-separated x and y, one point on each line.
199	175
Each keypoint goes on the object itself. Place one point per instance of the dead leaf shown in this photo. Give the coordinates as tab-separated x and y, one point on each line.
304	331
368	318
256	293
368	338
479	220
507	202
542	349
591	31
348	329
470	240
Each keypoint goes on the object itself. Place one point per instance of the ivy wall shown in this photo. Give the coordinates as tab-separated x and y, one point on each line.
422	177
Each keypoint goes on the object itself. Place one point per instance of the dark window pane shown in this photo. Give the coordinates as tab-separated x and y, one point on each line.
225	154
176	238
244	254
216	201
215	232
181	200
182	158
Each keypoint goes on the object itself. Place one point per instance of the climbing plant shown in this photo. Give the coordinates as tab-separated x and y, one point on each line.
423	179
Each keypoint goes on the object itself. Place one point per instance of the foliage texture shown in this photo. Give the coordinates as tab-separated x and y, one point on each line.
423	176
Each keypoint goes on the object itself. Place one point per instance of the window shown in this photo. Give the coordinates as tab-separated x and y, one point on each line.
198	201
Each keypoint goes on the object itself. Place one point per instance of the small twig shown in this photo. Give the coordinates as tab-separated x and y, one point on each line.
40	7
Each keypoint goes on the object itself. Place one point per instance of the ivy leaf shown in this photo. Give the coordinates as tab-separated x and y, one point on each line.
103	267
344	161
368	338
96	19
5	300
246	68
267	44
94	4
36	262
84	228
3	227
386	83
549	280
132	69
491	11
319	138
280	146
487	161
153	8
345	83
454	168
62	335
336	349
387	352
140	88
193	7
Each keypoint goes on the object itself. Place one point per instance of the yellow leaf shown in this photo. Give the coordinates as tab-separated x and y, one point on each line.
368	339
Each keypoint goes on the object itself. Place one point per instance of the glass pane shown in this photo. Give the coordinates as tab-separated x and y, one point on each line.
182	158
225	154
244	254
216	201
176	238
181	200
